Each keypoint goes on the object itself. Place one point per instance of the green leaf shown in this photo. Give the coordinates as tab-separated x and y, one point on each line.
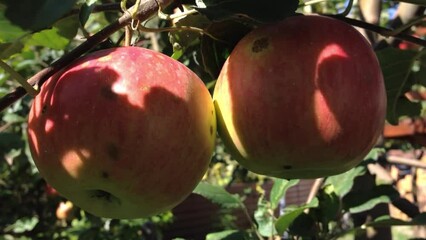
36	15
58	37
387	221
214	52
279	189
396	66
13	118
329	204
85	11
23	225
291	213
218	195
229	235
8	31
359	201
188	38
264	217
10	141
343	183
419	70
304	226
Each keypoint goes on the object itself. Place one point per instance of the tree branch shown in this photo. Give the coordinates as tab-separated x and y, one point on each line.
386	32
146	9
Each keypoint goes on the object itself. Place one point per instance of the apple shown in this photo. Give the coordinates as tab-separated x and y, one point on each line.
301	98
123	133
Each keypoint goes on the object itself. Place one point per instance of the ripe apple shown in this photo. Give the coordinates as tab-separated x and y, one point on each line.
302	98
123	133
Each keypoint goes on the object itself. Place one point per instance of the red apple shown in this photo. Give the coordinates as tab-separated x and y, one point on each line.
302	98
123	133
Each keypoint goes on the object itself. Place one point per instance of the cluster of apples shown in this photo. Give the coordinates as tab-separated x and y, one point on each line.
128	132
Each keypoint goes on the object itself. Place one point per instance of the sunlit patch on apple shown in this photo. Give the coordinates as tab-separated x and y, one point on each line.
119	88
48	125
332	50
145	88
85	64
85	153
325	118
104	59
72	163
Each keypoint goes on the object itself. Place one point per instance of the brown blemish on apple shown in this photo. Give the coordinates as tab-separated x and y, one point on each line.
113	152
211	130
104	175
107	93
260	45
287	167
104	195
43	110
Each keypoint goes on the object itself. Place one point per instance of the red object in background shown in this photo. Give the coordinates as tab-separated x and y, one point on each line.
412	129
50	191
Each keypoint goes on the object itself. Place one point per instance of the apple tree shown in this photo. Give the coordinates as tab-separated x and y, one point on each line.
110	110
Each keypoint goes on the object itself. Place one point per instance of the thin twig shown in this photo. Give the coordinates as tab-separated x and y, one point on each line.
408	25
314	189
347	9
246	213
406	161
380	30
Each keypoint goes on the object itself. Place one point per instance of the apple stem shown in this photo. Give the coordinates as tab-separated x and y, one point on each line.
128	36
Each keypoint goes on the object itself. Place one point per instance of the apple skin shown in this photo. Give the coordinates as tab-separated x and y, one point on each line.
123	133
302	98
